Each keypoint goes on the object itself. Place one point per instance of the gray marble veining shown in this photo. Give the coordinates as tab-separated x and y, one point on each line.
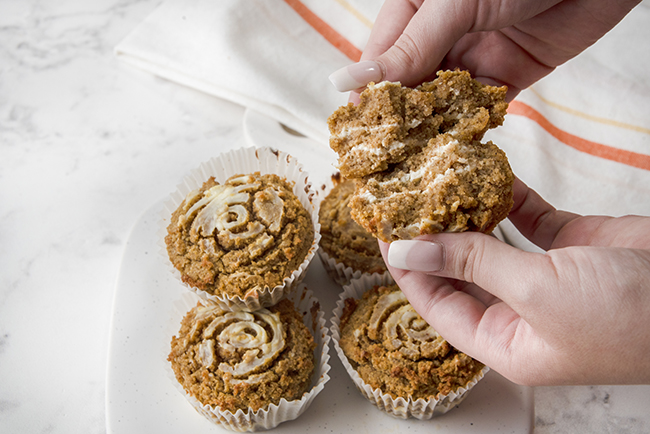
86	145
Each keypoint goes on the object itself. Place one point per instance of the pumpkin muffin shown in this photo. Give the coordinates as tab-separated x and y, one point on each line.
237	360
394	358
395	350
241	237
417	157
343	241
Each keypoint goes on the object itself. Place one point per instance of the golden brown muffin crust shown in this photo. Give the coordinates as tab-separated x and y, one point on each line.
342	238
243	236
210	365
393	349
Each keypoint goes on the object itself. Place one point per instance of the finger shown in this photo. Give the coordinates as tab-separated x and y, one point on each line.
410	39
428	37
490	332
354	98
455	309
535	218
496	60
391	21
518	278
532	41
566	28
475	291
410	55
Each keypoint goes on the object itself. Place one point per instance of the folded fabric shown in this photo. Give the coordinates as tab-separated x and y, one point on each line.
580	137
270	55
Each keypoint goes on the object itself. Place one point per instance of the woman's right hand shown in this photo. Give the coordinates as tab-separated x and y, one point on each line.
511	42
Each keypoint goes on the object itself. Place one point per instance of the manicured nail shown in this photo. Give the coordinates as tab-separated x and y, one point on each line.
416	255
356	75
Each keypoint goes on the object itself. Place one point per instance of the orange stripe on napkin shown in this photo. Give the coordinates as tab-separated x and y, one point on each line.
332	36
630	158
589	117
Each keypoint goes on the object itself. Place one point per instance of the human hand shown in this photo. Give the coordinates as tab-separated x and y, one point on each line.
577	314
511	42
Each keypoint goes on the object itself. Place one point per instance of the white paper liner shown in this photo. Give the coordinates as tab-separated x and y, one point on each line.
273	415
400	408
338	271
222	167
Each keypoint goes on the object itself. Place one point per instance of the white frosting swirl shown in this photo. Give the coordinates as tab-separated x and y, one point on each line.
223	208
398	325
253	339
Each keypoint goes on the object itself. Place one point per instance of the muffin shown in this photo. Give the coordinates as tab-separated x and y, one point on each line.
417	157
346	249
242	228
250	370
243	360
397	360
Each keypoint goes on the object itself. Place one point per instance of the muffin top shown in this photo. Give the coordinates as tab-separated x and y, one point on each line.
342	238
240	237
243	360
393	349
417	158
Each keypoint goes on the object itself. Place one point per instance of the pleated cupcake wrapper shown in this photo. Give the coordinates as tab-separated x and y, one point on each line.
338	271
246	161
272	415
400	408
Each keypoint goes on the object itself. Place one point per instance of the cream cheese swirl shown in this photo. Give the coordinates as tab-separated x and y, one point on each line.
400	328
223	211
243	342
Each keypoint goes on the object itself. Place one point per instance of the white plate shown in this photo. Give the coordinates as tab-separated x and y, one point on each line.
141	399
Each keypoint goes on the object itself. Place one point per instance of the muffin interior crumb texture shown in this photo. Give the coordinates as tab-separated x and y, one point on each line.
393	349
342	238
243	360
417	157
239	237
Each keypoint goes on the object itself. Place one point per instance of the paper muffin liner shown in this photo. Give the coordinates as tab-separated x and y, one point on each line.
246	161
338	271
400	408
272	415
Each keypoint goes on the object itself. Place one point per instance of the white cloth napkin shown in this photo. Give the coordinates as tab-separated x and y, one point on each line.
580	137
270	55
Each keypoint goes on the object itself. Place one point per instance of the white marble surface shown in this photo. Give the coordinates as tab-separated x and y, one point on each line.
87	145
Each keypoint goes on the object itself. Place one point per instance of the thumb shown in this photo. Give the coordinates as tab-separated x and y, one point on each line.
418	52
512	275
402	46
497	331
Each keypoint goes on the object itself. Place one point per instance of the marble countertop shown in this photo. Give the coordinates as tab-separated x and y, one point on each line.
86	145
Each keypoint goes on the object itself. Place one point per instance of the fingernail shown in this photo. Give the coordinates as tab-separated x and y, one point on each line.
416	255
356	75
